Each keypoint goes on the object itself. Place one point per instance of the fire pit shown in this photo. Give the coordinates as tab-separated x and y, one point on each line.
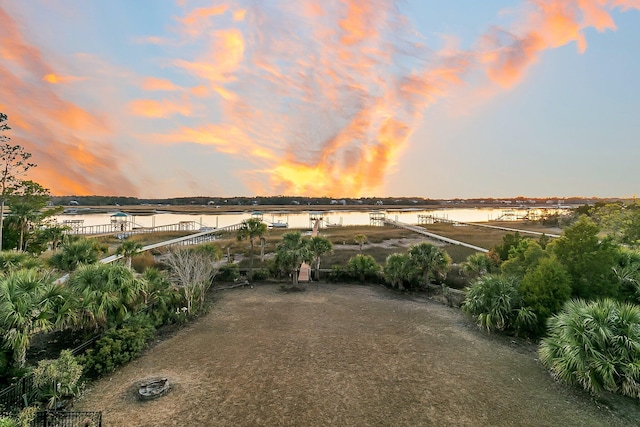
154	388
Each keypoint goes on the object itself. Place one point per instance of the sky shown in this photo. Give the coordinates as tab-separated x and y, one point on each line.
340	98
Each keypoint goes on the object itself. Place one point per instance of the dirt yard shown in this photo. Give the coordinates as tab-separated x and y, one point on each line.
341	355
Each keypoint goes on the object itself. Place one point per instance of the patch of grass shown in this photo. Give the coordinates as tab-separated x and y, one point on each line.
143	261
478	236
290	289
458	253
345	235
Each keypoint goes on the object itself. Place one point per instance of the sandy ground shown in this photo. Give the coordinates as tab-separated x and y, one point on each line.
340	355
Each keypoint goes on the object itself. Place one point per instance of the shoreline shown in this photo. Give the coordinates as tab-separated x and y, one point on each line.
201	209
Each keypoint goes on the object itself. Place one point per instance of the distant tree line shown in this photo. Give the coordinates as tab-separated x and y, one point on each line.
311	201
235	201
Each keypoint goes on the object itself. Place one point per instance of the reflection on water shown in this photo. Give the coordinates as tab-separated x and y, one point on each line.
303	219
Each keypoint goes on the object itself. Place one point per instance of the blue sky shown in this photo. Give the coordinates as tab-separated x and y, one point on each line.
462	98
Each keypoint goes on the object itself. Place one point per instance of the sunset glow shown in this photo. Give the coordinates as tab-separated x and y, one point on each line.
340	97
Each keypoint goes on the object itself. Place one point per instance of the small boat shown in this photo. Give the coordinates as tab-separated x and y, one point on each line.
153	389
279	224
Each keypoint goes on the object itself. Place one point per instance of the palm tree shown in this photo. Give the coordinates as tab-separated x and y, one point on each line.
318	246
25	309
291	252
128	249
397	269
22	216
263	242
430	260
360	239
477	265
250	229
159	295
54	234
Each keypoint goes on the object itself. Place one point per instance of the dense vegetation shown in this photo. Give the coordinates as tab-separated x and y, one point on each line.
579	292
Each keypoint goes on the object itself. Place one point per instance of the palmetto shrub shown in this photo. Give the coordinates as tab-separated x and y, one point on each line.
363	267
16	260
496	304
596	345
73	254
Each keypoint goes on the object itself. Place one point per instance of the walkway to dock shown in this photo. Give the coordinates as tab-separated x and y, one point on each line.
424	232
430	219
537	233
191	239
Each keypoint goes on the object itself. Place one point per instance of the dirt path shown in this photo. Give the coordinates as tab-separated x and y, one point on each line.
339	355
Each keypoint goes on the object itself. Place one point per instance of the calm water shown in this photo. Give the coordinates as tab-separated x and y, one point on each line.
299	219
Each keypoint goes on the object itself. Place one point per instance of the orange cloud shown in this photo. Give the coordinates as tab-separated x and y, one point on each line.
67	141
226	53
549	24
57	79
196	21
158	109
156	84
239	15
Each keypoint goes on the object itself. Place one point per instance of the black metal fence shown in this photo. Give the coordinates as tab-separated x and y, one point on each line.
67	419
17	396
64	419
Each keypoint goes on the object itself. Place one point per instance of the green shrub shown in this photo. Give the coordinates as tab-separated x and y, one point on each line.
209	249
545	289
363	267
523	258
23	419
228	273
56	379
8	422
339	274
260	275
509	241
595	345
117	347
589	259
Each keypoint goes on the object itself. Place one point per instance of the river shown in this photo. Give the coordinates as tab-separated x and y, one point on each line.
303	219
